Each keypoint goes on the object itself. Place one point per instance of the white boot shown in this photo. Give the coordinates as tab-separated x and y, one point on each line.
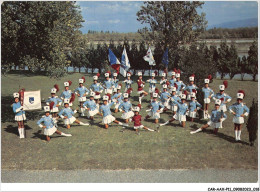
198	130
238	135
150	129
65	135
81	123
82	112
20	132
167	122
140	100
22	129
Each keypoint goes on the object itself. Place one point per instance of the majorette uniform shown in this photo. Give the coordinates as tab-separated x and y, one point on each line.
152	83
91	104
126	106
182	110
66	94
155	106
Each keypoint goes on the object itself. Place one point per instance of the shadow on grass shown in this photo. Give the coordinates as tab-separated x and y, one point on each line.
220	135
39	135
14	129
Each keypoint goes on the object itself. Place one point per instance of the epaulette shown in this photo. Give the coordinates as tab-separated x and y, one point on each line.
43	116
56	96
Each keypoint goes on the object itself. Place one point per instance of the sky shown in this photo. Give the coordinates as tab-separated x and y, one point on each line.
121	16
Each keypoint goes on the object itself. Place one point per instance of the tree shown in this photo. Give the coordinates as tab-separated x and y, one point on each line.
37	32
252	122
253	59
232	58
172	23
243	67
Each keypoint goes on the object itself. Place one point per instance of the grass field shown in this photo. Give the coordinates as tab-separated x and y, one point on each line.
93	147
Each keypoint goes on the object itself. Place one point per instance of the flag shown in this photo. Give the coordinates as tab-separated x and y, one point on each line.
32	100
125	65
149	57
115	64
165	59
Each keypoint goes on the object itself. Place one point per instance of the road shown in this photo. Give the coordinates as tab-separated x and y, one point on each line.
130	176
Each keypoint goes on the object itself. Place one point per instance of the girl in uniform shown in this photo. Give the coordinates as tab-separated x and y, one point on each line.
108	85
163	80
96	88
140	88
181	112
193	106
67	115
82	92
115	82
49	125
105	111
173	79
117	98
152	83
91	106
174	97
179	84
239	110
128	82
191	87
19	115
137	118
223	97
56	102
66	94
165	98
155	109
208	93
215	119
126	108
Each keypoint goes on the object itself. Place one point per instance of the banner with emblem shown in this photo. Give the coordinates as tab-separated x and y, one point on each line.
32	100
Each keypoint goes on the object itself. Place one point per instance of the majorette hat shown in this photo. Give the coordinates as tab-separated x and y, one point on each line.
66	101
164	86
105	97
163	74
125	95
241	94
155	95
136	109
115	74
183	96
95	78
53	90
217	102
46	108
16	95
81	80
92	94
140	73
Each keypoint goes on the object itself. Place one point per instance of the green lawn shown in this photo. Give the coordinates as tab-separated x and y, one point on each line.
93	147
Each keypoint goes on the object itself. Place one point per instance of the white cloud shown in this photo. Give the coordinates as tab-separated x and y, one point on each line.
114	21
91	22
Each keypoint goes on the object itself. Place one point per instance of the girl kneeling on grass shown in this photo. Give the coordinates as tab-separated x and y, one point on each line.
156	109
137	121
49	125
181	112
67	115
126	107
105	110
216	118
91	106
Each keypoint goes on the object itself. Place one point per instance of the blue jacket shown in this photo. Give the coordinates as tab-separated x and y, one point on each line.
126	106
119	99
17	110
164	96
224	96
182	108
175	98
47	121
193	105
65	94
108	84
180	83
172	81
105	109
239	109
55	99
67	112
81	90
207	92
156	105
152	83
128	83
190	87
90	104
216	115
96	87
